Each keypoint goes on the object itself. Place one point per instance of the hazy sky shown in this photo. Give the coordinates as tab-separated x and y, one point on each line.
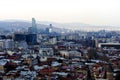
103	12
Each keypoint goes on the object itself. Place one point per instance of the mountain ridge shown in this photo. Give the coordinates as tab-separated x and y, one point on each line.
9	24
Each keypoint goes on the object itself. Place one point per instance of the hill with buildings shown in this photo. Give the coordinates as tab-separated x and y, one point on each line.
22	24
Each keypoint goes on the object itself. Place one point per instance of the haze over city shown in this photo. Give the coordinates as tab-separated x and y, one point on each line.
96	12
59	40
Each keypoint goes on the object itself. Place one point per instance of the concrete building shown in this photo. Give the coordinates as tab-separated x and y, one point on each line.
69	54
109	45
46	52
33	29
53	40
7	44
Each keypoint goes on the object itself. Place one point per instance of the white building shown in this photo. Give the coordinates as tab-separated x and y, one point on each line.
73	53
53	40
46	51
7	44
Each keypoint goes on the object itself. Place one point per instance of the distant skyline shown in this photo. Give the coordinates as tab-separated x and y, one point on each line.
97	12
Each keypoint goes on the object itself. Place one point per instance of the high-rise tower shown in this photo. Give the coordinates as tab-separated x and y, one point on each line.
33	29
34	23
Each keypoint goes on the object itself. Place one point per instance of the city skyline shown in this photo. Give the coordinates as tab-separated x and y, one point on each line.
98	12
59	40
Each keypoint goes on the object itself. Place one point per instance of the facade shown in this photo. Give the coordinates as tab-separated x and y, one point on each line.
53	40
7	44
109	45
70	54
19	37
31	39
33	29
49	29
46	51
1	44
